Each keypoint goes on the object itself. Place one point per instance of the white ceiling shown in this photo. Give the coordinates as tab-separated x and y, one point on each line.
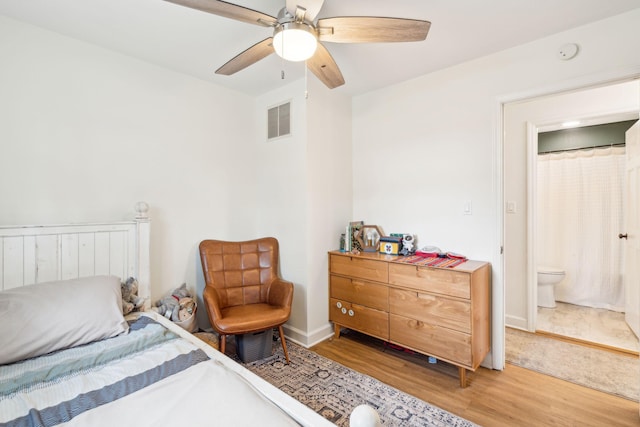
197	43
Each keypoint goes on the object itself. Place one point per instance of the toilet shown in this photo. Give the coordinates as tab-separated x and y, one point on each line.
548	277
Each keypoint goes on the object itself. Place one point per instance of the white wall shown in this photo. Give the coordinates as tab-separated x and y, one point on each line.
85	133
425	147
281	190
329	172
304	195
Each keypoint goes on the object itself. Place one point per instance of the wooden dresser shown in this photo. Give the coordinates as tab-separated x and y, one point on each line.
440	312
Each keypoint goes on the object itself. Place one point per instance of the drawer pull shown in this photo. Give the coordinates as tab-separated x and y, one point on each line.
351	313
339	304
344	310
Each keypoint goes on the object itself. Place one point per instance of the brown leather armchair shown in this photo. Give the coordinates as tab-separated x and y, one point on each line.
244	292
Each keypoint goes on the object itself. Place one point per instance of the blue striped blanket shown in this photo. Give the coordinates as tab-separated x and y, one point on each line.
57	387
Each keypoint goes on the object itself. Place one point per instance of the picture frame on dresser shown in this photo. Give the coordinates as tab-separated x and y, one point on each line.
354	229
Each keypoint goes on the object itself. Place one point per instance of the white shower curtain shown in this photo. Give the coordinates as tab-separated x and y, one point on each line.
579	216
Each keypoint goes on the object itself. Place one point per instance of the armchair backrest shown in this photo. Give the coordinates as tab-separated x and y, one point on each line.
240	271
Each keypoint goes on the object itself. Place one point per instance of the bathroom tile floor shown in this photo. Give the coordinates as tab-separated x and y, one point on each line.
588	324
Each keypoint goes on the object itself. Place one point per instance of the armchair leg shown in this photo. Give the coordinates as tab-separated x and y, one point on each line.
222	343
284	344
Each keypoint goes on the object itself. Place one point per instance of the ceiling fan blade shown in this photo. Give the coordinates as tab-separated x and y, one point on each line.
250	56
325	68
371	29
312	6
229	10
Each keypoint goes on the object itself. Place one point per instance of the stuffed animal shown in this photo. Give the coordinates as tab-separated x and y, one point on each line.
169	306
130	299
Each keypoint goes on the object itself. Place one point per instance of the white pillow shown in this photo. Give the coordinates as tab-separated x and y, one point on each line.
38	319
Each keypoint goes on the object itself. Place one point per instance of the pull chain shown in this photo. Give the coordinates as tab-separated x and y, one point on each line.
282	61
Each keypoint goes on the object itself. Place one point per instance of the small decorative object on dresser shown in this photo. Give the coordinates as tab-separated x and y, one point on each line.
390	245
354	229
369	237
408	243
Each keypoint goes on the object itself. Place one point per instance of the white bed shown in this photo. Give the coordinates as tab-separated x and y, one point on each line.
213	390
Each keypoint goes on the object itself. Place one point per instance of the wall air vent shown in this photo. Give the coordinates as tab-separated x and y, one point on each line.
279	121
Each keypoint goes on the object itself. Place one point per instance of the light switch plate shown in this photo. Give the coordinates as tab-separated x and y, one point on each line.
468	208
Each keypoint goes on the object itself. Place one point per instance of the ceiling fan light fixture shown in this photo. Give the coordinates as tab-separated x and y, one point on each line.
295	41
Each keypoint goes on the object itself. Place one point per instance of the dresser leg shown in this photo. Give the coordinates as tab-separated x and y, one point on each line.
336	331
462	372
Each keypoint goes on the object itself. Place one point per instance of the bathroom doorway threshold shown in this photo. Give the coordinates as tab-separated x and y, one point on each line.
592	326
587	365
589	344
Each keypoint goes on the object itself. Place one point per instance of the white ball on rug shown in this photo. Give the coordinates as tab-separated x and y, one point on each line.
364	416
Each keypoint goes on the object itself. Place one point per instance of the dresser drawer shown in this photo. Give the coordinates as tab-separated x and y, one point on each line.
446	344
431	308
360	292
354	316
360	268
440	281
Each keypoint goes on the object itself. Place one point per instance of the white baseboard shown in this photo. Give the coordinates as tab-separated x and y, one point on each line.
516	322
308	339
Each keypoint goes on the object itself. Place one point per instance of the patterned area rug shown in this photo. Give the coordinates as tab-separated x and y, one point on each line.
334	390
590	367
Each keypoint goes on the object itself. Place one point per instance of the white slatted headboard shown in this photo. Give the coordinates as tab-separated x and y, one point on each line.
42	253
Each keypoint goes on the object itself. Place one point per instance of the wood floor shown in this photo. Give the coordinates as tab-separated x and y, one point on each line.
513	397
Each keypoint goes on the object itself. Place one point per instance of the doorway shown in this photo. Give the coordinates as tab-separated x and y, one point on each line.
521	123
578	210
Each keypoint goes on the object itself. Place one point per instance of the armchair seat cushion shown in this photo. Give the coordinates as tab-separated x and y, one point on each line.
242	319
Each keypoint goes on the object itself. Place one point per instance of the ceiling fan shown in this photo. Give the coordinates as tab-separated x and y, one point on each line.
297	36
